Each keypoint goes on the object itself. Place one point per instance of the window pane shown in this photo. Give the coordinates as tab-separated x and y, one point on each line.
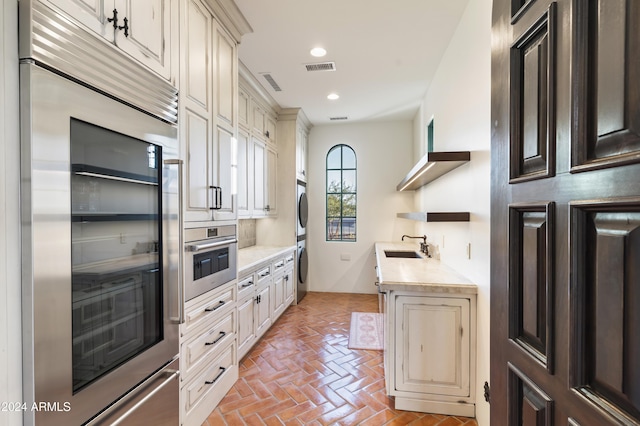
333	205
349	181
333	229
348	158
349	229
333	158
349	205
333	180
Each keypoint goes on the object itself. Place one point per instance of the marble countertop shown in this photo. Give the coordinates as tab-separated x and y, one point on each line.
424	274
250	257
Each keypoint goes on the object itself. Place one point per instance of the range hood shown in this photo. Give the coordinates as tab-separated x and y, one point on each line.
432	166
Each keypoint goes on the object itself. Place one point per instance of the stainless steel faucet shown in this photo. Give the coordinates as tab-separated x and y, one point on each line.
424	247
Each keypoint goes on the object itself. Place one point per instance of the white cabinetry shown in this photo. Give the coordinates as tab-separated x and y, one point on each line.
207	101
263	195
419	366
430	351
430	333
263	300
257	156
145	30
302	147
264	293
208	354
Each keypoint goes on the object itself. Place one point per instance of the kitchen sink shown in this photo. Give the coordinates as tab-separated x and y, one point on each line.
406	254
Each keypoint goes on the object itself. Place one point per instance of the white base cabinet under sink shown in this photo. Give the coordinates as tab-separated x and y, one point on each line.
430	352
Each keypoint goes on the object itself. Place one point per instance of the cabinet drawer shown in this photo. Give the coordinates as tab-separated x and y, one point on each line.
263	274
289	260
212	377
246	285
208	308
278	265
211	340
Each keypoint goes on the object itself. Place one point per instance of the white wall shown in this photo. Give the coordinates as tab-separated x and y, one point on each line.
10	311
459	100
384	152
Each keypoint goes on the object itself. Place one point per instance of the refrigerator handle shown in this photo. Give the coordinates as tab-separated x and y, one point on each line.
177	285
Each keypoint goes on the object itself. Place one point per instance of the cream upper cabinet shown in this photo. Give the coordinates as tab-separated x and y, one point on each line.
146	35
244	174
259	160
206	115
264	125
265	168
145	30
226	78
244	104
258	116
302	146
260	173
271	184
92	14
270	129
257	165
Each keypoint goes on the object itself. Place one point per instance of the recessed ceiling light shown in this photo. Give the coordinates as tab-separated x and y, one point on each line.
318	52
333	96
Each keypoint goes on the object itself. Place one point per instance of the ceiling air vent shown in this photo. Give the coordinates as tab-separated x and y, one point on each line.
321	66
338	118
272	82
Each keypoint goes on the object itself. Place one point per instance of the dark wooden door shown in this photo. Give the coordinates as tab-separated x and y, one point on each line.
565	199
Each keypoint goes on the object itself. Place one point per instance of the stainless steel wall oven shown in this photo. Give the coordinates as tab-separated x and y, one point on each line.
101	226
210	259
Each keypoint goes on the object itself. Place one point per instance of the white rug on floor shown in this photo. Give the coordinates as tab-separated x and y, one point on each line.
366	331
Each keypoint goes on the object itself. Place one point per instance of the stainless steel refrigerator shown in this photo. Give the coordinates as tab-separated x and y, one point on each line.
101	227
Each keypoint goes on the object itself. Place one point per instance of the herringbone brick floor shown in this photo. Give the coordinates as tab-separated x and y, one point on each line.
302	373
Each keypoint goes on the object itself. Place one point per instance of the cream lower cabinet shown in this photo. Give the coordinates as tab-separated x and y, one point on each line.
208	353
430	352
264	293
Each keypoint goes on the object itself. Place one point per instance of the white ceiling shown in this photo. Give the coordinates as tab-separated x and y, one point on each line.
385	52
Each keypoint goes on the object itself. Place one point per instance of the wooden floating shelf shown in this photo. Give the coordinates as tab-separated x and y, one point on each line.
432	166
436	216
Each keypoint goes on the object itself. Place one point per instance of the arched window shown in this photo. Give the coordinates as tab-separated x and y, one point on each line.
341	194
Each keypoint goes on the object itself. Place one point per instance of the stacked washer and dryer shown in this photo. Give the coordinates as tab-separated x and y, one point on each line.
303	262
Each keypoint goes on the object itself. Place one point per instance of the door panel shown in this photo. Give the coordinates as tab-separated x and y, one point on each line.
606	87
531	276
533	101
565	280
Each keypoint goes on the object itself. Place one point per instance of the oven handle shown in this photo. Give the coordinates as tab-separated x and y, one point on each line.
205	246
180	284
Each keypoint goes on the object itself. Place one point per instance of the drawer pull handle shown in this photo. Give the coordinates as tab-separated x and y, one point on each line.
218	306
264	274
247	284
222	370
220	336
